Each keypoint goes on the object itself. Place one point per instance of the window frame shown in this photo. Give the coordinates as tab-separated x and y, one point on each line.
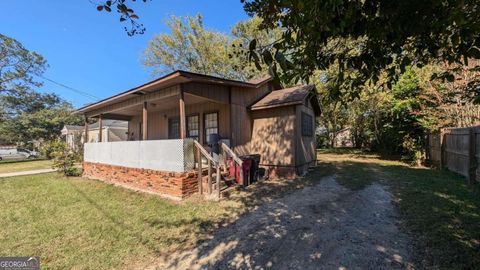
188	128
307	131
205	124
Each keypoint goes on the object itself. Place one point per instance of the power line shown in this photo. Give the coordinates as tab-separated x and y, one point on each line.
83	93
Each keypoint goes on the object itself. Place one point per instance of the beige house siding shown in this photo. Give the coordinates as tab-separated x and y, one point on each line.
218	93
306	145
241	119
274	136
158	120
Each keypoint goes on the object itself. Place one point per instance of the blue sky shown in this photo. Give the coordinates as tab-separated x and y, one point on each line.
89	50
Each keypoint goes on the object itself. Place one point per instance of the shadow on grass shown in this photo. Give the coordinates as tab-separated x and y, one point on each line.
266	191
149	229
439	207
310	230
357	153
443	211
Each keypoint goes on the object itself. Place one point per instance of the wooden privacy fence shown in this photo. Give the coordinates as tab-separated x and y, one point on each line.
456	149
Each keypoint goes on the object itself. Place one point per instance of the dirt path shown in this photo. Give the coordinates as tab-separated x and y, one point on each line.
325	226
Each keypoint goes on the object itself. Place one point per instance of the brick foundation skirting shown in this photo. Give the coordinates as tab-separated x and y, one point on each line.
288	172
176	185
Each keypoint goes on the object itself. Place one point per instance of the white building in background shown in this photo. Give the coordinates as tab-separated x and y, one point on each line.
112	131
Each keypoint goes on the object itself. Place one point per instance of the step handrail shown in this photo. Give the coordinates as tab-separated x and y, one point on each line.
232	154
201	151
235	158
205	152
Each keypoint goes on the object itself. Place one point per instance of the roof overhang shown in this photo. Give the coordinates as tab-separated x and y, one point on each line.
310	94
171	79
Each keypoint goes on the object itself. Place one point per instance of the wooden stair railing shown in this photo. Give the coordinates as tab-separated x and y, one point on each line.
211	163
235	158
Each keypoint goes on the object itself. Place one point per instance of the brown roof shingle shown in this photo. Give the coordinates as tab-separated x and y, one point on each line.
283	97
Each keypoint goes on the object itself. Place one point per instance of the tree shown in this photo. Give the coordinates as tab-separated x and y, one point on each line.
17	67
448	104
43	123
392	35
27	115
126	14
191	47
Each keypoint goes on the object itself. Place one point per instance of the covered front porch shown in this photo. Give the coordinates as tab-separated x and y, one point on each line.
168	133
178	112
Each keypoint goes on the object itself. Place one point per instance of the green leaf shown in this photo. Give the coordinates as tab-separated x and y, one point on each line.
253	45
267	57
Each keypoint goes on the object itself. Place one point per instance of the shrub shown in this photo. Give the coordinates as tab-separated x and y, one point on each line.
65	158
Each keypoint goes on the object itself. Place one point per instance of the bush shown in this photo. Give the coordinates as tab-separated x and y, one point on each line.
65	158
412	151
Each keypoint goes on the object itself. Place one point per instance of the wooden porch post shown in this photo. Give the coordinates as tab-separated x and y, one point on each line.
183	128
100	128
86	130
145	121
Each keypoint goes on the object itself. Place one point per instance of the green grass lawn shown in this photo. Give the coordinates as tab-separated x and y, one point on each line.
439	207
86	224
24	165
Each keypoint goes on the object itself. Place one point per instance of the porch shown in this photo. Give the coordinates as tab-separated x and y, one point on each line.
177	112
169	168
170	121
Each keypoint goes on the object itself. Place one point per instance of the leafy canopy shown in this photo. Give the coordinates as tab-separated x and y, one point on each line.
189	46
26	115
18	66
391	35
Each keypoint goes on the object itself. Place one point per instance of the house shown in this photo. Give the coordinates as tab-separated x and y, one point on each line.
343	138
170	121
112	131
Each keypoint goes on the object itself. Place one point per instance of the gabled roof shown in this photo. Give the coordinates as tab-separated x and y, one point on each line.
288	96
176	77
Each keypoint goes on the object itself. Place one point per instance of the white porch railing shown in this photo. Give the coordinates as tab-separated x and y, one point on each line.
160	155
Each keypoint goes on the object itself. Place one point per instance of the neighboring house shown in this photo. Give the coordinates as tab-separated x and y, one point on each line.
167	114
343	138
112	131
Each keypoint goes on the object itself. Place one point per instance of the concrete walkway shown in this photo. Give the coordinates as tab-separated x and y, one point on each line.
2	175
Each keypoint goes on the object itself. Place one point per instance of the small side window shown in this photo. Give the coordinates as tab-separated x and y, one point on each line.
307	125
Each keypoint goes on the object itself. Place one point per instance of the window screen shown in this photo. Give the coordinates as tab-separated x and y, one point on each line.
307	125
211	124
174	128
192	126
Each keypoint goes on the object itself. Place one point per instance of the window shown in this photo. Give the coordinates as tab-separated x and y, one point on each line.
307	125
193	126
211	124
174	128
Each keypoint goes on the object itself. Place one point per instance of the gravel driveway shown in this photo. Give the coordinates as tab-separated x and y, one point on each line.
325	226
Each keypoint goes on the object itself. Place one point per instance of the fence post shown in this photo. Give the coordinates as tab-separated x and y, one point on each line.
442	148
472	162
200	171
